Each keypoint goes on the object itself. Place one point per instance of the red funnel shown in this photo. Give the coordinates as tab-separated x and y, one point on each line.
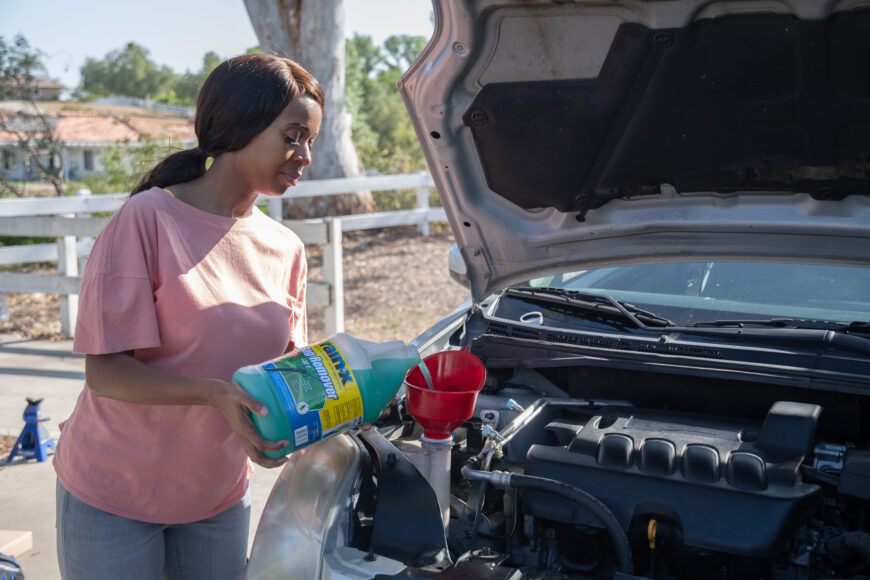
457	376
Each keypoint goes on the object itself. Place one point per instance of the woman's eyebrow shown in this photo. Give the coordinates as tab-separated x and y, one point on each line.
303	126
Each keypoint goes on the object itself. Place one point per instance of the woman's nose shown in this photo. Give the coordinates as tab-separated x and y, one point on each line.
303	154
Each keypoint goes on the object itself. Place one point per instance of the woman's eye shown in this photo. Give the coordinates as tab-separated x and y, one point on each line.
293	136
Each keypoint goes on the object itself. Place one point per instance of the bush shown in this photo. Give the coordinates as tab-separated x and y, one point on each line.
395	200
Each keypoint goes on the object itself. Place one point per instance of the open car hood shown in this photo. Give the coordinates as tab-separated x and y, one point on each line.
570	135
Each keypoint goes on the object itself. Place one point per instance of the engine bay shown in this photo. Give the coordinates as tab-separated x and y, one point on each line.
587	471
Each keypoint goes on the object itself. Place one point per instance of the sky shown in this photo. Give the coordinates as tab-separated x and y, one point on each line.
177	33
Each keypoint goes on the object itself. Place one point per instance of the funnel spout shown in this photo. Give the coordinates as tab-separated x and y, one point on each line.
436	470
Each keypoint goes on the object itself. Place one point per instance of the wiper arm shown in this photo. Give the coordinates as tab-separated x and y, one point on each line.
774	322
837	334
600	303
858	327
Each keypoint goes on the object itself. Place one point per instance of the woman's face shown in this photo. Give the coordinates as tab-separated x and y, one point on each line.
274	159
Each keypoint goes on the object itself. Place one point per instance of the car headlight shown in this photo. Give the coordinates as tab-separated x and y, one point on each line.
302	532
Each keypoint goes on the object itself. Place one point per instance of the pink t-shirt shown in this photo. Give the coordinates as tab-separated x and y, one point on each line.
191	293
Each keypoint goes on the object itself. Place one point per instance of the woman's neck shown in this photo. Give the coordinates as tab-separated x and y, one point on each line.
217	192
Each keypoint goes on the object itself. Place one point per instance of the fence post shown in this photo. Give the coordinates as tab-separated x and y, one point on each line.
423	202
84	214
333	274
68	265
276	208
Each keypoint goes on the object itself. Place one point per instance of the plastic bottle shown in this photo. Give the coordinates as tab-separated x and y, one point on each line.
326	388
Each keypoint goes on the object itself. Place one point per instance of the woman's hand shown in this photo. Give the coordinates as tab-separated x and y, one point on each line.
234	403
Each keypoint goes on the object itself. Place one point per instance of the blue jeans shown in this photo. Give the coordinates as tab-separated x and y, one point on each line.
95	545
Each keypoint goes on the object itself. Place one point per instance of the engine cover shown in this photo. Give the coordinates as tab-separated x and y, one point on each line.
729	488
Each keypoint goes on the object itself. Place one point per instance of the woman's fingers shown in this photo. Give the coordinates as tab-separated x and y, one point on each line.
274	445
235	404
254	447
246	430
261	459
252	404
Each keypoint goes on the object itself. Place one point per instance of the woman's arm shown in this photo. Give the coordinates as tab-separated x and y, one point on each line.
120	376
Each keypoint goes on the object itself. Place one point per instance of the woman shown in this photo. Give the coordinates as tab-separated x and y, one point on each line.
188	282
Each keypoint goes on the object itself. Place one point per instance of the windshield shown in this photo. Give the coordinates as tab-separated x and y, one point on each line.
697	292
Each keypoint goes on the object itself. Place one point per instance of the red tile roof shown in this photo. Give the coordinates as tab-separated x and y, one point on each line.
169	130
91	128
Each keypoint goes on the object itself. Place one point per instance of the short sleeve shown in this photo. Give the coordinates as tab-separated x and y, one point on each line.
116	300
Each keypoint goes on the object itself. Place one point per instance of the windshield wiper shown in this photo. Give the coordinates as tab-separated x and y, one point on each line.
845	336
600	303
857	327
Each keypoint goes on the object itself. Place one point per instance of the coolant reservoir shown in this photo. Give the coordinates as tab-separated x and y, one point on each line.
326	388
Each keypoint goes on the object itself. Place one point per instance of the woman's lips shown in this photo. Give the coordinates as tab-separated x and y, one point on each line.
292	177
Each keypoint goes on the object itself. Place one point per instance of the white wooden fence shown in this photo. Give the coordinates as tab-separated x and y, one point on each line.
69	220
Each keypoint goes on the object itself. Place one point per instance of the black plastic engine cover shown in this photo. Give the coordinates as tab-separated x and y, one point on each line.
731	489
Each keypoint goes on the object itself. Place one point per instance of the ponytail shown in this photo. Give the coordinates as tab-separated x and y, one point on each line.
179	167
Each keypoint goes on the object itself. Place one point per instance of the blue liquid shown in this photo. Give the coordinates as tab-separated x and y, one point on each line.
426	376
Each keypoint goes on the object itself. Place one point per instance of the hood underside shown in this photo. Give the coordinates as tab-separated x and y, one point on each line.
580	134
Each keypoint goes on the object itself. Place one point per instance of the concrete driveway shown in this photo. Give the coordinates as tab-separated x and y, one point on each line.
48	370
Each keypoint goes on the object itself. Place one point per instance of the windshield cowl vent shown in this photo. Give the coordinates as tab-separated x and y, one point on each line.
629	344
512	331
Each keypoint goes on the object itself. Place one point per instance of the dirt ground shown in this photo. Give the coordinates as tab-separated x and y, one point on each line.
395	286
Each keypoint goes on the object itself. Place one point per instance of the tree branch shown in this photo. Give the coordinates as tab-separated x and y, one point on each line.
9	184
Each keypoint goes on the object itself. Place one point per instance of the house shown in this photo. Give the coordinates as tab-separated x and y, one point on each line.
46	90
36	89
84	138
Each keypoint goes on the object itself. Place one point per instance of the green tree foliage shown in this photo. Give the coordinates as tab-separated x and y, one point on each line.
368	57
131	72
19	66
128	71
381	128
361	59
402	49
184	88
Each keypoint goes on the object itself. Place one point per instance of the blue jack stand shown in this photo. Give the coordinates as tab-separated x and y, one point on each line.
34	440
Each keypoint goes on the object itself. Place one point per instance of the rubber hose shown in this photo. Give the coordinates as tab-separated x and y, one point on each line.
589	502
478	511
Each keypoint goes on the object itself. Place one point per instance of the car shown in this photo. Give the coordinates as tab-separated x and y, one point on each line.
661	213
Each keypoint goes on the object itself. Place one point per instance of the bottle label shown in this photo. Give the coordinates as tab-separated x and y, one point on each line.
319	392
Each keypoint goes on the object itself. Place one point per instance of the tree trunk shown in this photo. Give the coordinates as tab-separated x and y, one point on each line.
311	32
